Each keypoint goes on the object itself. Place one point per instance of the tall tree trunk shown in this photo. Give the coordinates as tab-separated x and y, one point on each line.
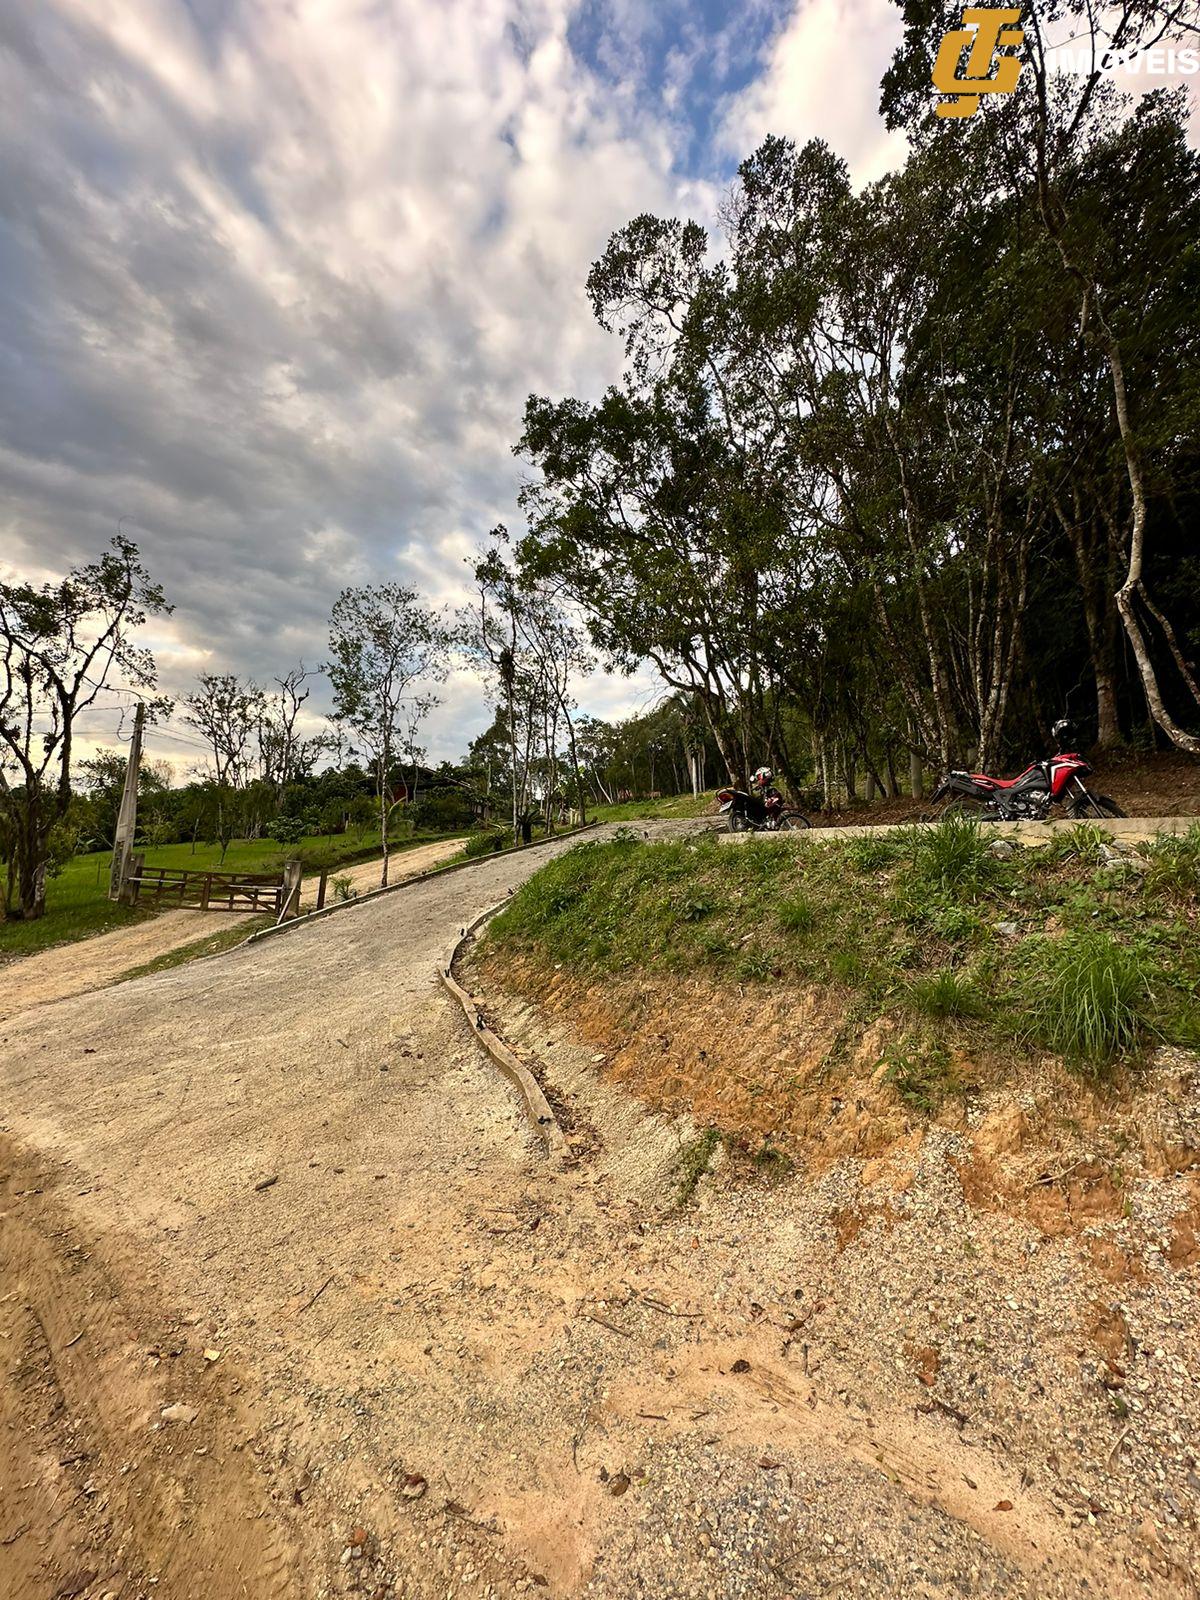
1091	310
383	824
849	775
1093	561
32	848
1133	589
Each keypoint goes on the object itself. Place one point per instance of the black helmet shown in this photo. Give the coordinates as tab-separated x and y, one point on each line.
1064	733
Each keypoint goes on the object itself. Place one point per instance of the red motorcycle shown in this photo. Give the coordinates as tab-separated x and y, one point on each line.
1029	796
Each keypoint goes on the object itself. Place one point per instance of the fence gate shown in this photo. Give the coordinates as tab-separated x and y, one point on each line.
159	887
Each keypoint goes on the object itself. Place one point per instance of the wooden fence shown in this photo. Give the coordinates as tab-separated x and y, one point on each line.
159	887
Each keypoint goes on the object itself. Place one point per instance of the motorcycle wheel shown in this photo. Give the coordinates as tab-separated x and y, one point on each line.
737	824
792	821
1095	805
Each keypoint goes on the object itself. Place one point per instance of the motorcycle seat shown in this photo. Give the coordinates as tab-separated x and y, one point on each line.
1032	778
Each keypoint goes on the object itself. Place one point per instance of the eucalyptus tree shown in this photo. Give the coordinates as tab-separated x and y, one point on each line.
522	636
856	450
1049	134
655	508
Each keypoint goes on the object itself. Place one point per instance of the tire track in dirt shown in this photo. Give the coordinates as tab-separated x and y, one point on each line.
97	1492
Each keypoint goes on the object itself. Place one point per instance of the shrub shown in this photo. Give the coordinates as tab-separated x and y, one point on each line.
489	840
343	887
693	1163
331	818
696	906
287	830
443	811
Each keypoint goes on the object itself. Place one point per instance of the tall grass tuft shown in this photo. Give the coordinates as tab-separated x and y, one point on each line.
1174	864
954	856
797	915
1084	842
945	994
1087	997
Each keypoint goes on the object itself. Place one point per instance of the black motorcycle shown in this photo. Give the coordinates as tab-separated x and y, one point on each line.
752	813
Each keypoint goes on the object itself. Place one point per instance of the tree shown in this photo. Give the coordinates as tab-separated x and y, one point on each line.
858	488
383	645
226	710
530	648
1047	136
102	777
61	646
284	753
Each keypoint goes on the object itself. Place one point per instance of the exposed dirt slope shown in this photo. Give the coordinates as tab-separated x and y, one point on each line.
1164	785
1025	1270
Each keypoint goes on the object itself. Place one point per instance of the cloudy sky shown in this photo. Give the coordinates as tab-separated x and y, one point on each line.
276	276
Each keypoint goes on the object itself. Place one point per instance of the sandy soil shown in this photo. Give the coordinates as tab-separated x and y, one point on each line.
285	1189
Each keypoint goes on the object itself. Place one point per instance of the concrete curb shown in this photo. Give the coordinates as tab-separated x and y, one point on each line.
1021	832
408	883
537	1107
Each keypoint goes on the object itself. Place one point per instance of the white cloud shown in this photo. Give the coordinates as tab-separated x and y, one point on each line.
821	80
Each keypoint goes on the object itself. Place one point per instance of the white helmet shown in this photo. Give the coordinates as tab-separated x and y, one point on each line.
762	778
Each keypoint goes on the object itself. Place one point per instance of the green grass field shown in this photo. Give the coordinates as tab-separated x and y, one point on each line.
77	903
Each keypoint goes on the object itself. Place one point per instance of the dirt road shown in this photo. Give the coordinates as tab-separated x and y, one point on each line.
68	969
79	968
293	1306
364	875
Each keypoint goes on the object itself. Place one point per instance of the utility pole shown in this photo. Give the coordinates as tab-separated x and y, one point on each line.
127	815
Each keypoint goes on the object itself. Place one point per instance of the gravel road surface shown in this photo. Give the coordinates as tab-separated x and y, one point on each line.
292	1305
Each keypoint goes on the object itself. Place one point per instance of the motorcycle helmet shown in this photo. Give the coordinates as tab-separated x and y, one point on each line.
1065	734
762	779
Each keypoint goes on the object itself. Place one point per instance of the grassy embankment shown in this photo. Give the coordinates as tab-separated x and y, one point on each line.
956	958
675	805
77	903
